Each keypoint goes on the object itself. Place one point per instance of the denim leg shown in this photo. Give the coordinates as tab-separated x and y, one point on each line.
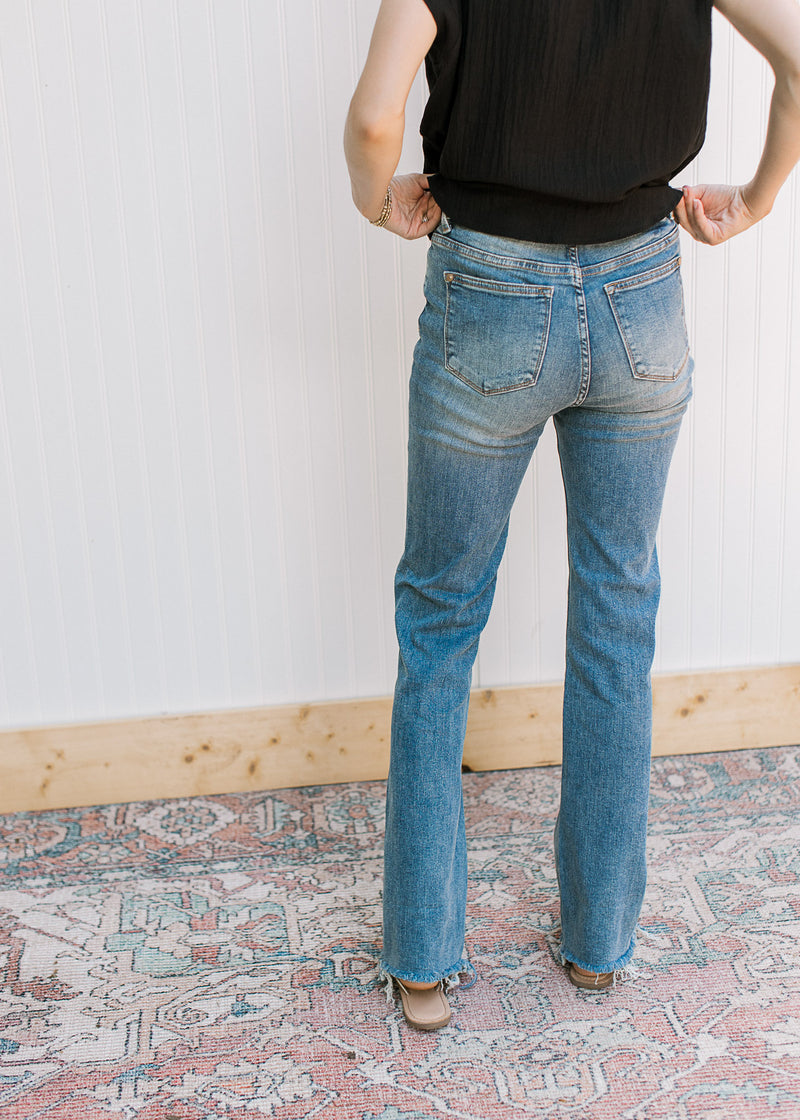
512	334
462	481
614	467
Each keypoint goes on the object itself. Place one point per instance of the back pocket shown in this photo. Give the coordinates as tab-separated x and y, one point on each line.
495	334
649	312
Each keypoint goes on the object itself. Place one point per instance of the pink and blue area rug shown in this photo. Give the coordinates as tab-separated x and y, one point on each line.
216	957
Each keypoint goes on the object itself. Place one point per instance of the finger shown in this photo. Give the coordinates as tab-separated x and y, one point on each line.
431	217
679	214
686	214
685	210
425	204
425	220
693	217
696	222
690	197
708	230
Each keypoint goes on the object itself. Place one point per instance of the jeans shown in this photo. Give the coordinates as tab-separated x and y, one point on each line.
513	333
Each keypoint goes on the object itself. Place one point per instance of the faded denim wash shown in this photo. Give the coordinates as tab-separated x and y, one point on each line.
513	333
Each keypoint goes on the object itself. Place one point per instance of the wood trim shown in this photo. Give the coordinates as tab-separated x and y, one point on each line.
315	744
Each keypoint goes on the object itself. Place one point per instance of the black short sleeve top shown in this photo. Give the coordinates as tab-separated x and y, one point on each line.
564	120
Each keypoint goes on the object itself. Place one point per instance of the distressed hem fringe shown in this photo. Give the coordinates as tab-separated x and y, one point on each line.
622	969
451	980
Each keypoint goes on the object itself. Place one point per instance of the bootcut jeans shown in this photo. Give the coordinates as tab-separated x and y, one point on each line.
513	333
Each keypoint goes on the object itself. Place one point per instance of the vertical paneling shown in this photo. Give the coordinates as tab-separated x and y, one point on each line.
204	358
730	523
788	590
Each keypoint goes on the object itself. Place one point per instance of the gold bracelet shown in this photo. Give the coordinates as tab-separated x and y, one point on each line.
385	213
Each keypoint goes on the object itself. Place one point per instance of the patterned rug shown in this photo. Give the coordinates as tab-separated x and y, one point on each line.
216	957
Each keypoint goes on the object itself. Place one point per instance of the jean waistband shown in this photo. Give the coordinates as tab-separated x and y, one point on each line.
597	256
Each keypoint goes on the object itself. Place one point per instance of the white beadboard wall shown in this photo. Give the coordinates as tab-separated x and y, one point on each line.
204	353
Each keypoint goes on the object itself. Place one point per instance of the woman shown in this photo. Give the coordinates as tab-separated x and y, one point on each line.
553	288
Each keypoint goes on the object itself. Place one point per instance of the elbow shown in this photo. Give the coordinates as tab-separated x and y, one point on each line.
372	128
793	82
787	72
787	86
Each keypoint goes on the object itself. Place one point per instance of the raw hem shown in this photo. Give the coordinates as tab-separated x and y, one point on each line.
450	978
618	967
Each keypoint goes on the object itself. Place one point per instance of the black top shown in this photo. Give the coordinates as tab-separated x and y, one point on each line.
564	120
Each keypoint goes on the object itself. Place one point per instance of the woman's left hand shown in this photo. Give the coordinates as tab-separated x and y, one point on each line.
714	213
414	211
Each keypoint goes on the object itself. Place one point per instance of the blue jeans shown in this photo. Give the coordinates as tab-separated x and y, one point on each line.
513	333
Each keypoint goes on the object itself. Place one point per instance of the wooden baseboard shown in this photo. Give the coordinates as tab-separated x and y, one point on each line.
316	744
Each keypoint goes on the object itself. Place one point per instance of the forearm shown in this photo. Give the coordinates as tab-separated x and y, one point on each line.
372	150
373	136
781	146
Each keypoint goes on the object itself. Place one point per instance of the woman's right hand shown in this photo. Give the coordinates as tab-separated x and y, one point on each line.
714	213
414	209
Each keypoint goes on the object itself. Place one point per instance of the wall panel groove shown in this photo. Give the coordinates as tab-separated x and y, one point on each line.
204	361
